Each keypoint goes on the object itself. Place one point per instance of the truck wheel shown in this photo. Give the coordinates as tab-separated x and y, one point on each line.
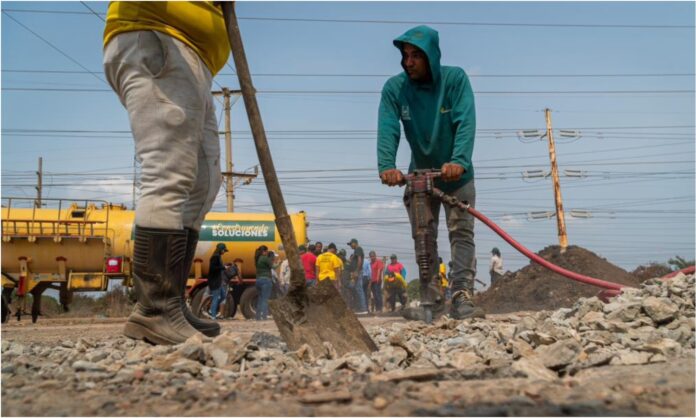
248	302
200	302
230	308
5	310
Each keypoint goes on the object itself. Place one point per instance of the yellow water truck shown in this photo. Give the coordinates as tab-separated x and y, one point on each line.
78	246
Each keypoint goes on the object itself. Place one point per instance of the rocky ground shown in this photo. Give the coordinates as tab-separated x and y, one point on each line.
633	356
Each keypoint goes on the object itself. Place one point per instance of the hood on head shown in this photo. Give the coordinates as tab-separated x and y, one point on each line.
427	40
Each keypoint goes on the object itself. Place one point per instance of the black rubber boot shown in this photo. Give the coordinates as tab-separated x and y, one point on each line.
206	326
158	260
463	307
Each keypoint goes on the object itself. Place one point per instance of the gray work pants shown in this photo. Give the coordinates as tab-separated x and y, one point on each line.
460	225
165	87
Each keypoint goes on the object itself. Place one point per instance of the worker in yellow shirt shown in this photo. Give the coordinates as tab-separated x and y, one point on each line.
395	286
328	265
444	283
160	59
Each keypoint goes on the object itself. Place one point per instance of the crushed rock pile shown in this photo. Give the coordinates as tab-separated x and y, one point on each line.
652	324
535	288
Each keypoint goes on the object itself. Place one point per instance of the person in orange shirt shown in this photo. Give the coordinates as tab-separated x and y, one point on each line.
160	59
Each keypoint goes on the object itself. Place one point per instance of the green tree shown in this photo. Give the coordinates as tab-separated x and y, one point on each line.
679	263
413	290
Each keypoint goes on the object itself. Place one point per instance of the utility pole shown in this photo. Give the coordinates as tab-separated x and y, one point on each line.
229	174
560	217
134	174
39	185
228	150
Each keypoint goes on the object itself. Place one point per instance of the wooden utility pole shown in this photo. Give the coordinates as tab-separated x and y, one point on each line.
39	184
228	173
228	150
560	217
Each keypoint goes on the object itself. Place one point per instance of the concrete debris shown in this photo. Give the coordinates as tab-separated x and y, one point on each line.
654	324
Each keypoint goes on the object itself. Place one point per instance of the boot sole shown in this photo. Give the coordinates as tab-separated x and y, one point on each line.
139	332
208	332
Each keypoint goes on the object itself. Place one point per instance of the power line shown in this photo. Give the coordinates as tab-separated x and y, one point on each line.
362	92
54	47
412	22
345	131
39	71
93	11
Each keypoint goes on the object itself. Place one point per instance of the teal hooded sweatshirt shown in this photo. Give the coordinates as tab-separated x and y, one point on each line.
439	118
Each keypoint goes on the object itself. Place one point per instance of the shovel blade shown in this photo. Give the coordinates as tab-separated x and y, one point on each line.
324	317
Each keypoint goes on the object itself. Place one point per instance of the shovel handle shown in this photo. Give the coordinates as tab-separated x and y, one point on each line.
282	220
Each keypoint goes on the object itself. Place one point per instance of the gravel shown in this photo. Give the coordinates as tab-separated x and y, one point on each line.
653	324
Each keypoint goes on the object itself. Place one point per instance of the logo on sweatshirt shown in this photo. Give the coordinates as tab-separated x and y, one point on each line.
443	110
405	113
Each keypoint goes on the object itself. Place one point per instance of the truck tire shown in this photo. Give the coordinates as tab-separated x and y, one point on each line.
248	302
230	309
200	303
5	310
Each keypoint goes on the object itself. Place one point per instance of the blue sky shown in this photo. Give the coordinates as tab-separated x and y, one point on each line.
622	73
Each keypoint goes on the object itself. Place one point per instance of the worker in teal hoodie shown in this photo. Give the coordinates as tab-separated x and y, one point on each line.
435	104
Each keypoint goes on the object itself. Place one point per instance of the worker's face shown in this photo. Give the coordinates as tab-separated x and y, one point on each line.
373	257
394	260
415	62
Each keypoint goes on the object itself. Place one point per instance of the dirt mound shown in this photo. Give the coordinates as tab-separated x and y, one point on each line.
535	288
650	271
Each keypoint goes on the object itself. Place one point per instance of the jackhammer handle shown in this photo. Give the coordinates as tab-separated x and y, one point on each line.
282	219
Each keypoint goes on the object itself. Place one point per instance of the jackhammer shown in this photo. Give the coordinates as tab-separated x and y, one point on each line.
420	192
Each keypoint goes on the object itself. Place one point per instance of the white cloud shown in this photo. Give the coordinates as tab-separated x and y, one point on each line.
373	208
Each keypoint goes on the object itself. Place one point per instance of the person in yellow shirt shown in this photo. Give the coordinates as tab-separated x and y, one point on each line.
444	283
328	265
160	59
395	286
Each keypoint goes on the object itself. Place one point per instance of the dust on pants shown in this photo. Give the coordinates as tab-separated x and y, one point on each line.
165	87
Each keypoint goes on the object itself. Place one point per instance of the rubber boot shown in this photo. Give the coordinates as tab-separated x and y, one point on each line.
158	260
206	326
463	307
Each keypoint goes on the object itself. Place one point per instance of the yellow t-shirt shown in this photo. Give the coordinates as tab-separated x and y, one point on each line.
443	275
327	263
396	280
198	24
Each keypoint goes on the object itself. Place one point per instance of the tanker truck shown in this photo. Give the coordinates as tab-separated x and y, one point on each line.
80	246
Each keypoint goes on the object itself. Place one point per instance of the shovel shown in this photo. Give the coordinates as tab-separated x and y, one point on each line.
304	316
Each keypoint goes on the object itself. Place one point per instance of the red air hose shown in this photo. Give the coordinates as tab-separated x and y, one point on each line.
453	201
539	260
688	270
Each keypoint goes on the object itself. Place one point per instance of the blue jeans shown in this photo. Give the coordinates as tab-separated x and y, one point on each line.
359	293
377	295
264	286
218	296
311	282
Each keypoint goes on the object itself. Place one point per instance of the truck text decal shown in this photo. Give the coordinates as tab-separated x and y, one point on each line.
238	231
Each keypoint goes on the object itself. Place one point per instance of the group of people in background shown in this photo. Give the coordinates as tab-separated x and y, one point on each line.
367	284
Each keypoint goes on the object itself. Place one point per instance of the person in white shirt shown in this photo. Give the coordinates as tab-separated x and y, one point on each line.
496	267
284	279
